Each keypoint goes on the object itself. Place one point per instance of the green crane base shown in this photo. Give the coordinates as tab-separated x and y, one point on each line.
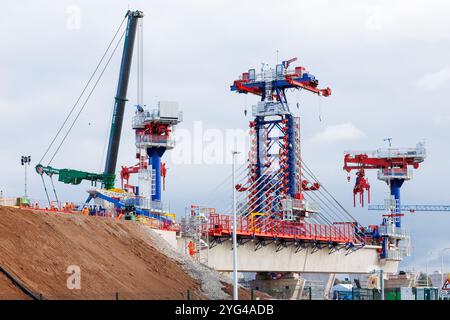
71	176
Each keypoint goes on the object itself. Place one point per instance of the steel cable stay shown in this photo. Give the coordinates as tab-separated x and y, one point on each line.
258	182
241	171
243	197
338	209
241	177
277	197
275	187
317	180
320	216
344	211
320	198
263	178
216	202
254	201
322	212
323	201
265	175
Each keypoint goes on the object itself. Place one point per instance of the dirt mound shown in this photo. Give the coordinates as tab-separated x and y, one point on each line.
9	291
113	257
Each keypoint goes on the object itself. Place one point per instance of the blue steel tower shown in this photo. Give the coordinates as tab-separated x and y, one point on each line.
153	137
274	158
393	168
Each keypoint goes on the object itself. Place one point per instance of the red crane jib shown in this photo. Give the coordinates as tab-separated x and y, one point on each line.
309	86
125	173
363	161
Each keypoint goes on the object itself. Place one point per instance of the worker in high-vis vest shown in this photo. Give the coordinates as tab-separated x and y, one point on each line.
191	247
85	211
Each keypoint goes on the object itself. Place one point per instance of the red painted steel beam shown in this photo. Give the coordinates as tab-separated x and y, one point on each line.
309	87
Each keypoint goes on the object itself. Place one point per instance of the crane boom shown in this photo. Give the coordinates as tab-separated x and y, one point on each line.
107	178
121	96
413	207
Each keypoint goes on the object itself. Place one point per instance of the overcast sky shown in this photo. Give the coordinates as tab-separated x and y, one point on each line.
386	62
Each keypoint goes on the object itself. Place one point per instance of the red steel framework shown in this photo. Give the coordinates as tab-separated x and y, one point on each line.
221	226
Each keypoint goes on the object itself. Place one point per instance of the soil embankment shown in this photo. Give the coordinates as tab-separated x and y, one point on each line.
116	259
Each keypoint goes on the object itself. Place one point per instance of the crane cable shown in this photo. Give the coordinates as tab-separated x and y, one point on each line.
83	91
45	188
87	99
54	190
328	193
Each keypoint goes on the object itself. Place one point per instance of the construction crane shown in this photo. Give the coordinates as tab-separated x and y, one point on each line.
412	207
392	165
107	178
393	168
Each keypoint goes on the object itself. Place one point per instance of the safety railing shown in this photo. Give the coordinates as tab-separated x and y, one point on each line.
221	225
393	173
300	205
161	140
141	119
393	231
397	255
419	152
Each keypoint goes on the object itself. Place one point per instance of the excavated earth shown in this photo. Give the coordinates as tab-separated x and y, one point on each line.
116	259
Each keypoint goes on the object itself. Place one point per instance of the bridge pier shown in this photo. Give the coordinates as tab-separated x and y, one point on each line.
289	286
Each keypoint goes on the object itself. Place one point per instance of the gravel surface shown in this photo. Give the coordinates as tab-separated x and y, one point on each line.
211	281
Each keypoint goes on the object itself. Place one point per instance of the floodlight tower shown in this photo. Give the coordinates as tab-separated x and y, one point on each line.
25	160
274	158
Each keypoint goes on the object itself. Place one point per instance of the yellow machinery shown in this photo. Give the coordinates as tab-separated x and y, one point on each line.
254	217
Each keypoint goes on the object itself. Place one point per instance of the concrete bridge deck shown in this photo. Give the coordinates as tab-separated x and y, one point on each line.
267	259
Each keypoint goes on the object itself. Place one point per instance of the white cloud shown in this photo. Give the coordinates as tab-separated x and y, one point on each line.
441	119
435	80
339	132
374	18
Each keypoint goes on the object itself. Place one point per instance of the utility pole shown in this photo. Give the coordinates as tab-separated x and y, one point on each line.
389	141
235	280
25	161
382	284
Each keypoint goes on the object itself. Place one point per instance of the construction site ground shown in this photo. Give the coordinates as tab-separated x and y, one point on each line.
117	259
